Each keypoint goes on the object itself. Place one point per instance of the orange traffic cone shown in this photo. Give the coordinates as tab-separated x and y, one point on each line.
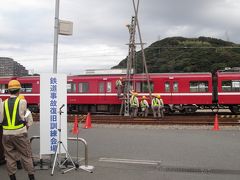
216	127
75	126
88	123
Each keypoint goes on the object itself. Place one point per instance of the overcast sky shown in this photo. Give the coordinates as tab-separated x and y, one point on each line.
99	29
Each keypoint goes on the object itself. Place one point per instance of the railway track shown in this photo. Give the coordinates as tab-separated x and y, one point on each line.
224	120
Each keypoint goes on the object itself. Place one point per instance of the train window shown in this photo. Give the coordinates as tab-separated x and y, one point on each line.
167	86
101	87
199	86
231	86
175	86
138	86
3	88
236	86
71	87
109	87
143	87
26	88
83	87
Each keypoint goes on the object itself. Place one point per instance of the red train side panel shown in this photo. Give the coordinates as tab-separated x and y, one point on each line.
180	91
228	88
183	88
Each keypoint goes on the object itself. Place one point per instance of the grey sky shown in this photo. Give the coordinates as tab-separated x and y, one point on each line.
100	33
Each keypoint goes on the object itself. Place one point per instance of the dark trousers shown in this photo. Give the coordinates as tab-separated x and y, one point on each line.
1	145
18	145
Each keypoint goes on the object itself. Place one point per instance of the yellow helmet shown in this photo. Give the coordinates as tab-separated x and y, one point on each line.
14	84
135	93
21	97
158	96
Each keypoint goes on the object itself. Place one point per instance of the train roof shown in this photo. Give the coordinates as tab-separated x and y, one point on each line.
143	76
92	76
122	71
227	74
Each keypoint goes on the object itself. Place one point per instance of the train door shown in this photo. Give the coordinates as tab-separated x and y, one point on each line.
171	90
101	89
104	87
104	90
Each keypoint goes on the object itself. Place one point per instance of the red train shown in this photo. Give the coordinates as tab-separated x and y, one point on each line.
183	92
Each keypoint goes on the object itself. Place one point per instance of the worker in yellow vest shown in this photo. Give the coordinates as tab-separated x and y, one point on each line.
2	157
157	106
144	106
134	104
15	124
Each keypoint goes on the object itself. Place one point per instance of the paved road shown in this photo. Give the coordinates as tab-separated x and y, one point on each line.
184	154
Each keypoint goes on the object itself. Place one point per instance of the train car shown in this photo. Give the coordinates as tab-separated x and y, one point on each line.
182	92
30	89
3	86
93	93
229	90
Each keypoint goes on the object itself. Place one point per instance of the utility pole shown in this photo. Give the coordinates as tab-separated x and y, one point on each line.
56	31
142	49
131	59
61	27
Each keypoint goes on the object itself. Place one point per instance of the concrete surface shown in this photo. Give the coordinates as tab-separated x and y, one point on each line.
184	154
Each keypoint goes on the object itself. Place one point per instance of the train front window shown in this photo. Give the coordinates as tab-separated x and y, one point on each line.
83	87
71	87
3	88
26	88
231	86
199	86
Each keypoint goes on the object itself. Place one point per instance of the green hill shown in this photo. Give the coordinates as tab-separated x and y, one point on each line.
179	54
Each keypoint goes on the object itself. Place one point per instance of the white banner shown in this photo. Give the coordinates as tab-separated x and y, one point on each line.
53	112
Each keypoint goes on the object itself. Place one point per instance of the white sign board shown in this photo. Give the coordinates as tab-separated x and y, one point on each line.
65	27
53	97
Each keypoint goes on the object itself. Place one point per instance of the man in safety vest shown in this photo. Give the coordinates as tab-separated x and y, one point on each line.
119	86
15	124
144	106
157	106
134	104
2	157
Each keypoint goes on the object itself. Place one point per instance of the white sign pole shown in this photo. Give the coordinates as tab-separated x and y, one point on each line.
53	95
